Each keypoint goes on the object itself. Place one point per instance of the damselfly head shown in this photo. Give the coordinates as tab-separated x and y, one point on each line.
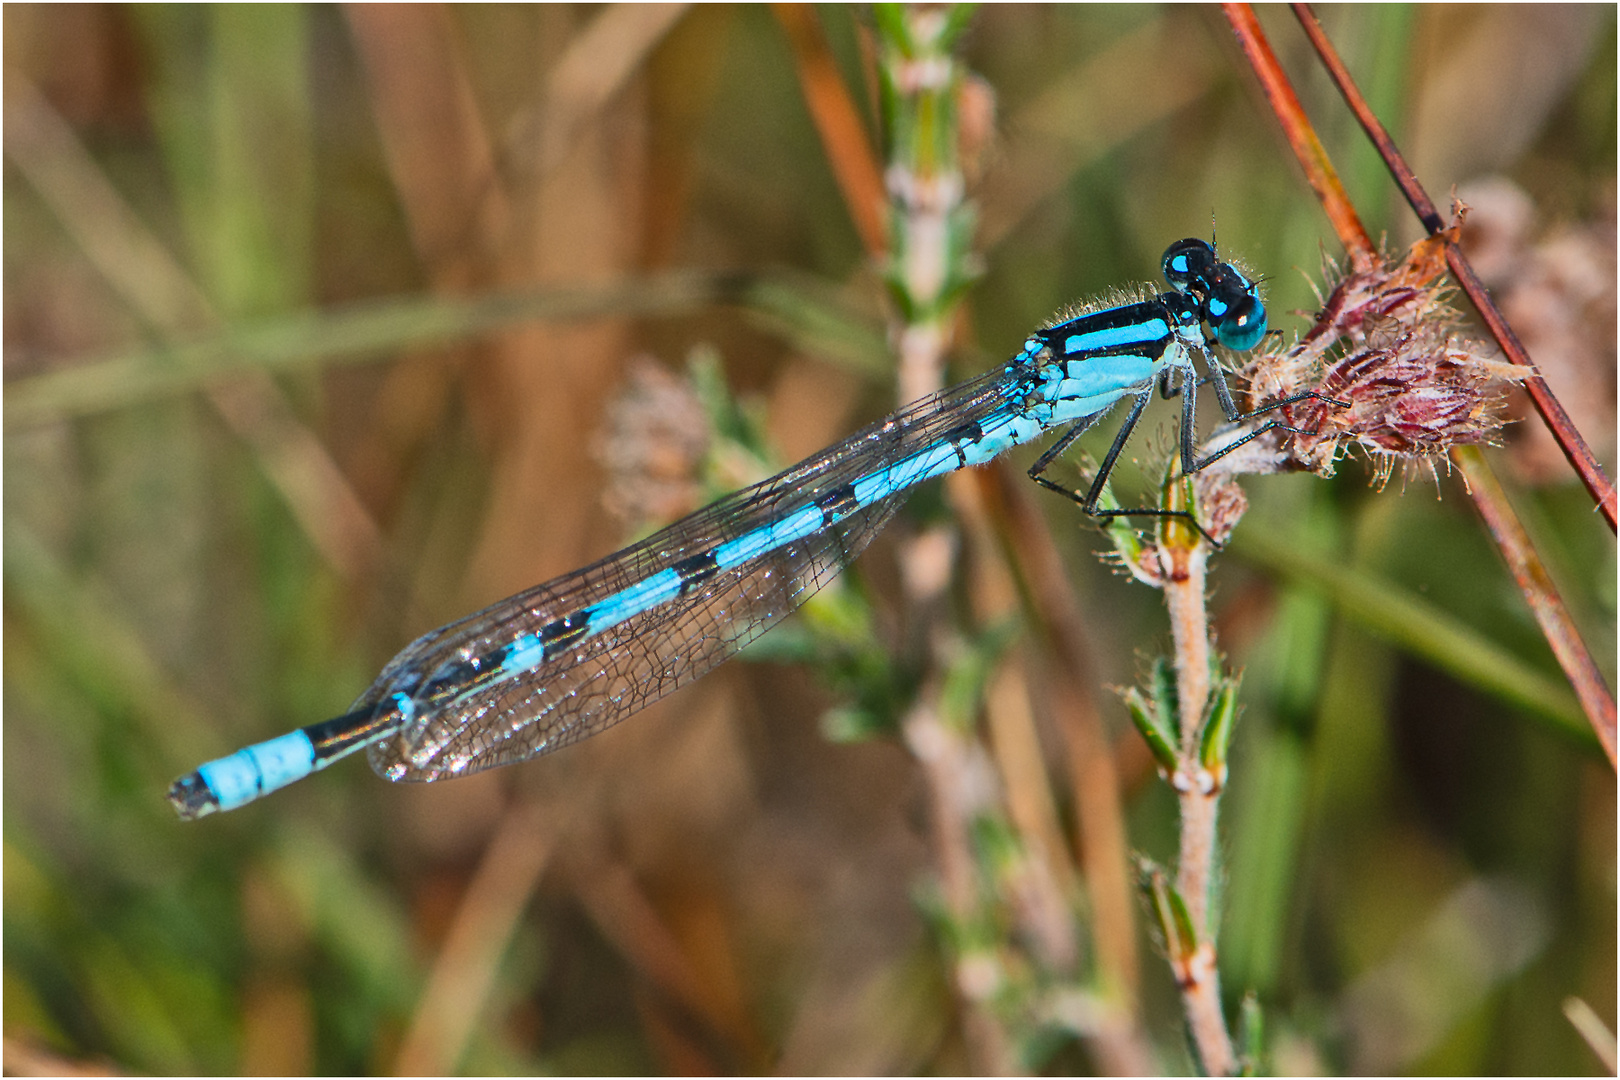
1227	300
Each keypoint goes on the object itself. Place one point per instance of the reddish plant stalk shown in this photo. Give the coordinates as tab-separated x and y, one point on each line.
1511	539
1569	439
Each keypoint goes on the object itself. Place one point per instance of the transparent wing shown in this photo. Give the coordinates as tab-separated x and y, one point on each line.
611	675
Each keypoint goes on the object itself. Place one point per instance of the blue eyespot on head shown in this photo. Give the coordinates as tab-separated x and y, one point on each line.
1188	262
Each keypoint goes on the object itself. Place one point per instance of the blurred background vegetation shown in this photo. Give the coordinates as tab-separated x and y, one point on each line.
315	319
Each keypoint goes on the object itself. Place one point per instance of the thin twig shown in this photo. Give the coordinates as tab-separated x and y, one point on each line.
1517	551
1584	674
1319	171
1200	983
1557	420
1189	630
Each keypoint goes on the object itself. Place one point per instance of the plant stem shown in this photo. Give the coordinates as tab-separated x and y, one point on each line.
1198	793
927	254
1189	629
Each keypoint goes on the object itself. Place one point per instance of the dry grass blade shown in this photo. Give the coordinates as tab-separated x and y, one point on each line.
622	910
1593	1030
599	62
1103	847
464	970
838	122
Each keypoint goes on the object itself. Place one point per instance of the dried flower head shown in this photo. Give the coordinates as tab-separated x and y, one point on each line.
652	446
1412	394
1405	385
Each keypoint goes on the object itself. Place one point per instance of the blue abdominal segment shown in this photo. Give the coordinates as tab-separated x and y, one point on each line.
259	769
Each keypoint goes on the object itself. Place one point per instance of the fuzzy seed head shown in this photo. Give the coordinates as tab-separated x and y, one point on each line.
1404	386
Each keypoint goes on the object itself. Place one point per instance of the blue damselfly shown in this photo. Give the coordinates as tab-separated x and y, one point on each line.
569	658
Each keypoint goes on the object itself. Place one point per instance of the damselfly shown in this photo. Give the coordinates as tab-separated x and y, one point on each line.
573	656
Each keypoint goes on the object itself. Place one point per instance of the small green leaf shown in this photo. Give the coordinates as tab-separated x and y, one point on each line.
1169	913
1251	1035
1179	496
1186	935
1166	699
967	675
890	21
852	724
1160	737
1217	739
995	842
